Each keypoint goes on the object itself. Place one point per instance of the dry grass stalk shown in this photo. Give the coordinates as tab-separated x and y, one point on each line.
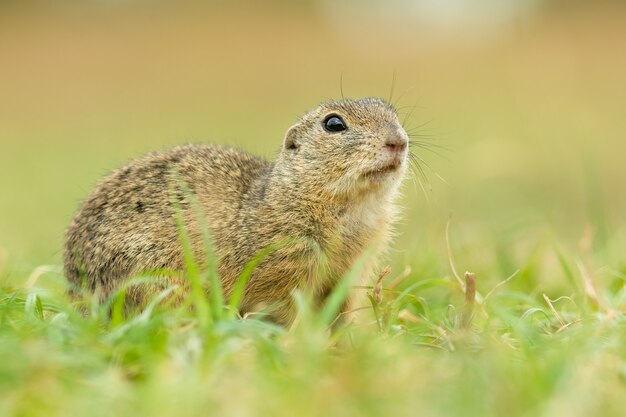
553	310
470	298
377	291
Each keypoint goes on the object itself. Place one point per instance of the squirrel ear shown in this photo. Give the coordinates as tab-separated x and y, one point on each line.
290	138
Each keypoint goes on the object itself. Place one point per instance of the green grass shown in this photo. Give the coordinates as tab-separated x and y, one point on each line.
532	123
422	347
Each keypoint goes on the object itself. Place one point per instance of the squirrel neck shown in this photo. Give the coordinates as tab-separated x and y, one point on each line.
300	192
296	199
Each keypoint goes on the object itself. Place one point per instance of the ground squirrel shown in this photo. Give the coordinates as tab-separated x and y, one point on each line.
330	191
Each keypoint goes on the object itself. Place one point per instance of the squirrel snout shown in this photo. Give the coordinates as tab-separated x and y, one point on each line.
396	142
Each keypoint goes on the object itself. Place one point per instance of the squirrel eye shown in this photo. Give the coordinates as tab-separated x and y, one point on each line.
334	123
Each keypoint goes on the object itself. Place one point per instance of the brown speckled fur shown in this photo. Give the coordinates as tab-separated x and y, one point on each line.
320	194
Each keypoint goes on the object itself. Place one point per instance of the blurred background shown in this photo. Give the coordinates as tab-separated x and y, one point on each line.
522	104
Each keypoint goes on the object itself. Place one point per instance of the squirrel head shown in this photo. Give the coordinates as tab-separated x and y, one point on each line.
347	146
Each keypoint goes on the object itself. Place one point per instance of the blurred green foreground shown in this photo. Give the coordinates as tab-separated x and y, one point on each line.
520	108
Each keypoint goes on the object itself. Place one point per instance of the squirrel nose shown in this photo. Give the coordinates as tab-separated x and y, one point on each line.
396	142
